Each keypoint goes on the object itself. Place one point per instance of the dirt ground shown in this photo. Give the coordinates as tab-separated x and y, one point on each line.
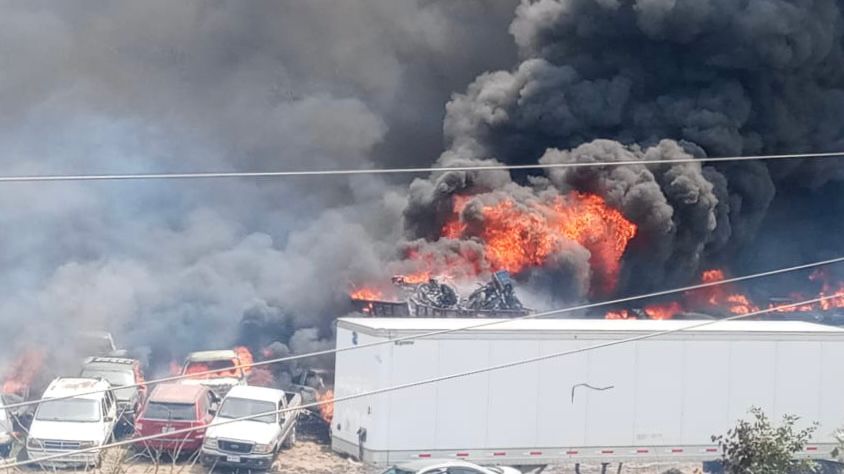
311	456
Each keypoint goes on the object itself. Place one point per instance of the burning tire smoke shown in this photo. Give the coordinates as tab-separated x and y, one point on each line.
170	267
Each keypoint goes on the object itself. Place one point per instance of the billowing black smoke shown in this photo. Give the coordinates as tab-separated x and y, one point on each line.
651	79
161	86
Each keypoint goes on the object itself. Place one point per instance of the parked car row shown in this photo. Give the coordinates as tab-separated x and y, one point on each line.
202	413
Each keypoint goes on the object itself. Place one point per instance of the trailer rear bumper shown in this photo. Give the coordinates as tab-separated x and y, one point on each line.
553	455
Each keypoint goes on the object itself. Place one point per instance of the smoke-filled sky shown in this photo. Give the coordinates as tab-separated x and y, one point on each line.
160	86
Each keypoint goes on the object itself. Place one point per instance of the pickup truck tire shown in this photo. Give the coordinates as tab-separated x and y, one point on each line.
290	440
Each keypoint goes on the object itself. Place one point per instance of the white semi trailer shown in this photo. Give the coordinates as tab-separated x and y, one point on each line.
658	399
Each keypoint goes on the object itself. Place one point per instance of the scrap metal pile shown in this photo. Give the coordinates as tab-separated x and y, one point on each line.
435	298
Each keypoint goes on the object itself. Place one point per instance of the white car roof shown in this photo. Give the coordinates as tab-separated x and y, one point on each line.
256	393
202	356
77	387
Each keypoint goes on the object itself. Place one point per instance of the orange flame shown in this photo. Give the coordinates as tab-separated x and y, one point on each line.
326	410
416	277
23	372
197	369
245	357
620	314
518	236
366	294
664	310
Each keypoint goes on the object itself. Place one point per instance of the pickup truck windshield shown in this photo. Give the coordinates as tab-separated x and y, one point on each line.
170	411
240	407
72	409
199	367
115	379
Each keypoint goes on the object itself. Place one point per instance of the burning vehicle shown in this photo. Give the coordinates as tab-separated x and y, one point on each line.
119	372
311	385
229	364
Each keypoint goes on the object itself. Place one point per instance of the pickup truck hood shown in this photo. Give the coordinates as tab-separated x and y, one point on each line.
67	431
245	430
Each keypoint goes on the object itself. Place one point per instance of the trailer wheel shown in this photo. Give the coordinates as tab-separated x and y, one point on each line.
290	440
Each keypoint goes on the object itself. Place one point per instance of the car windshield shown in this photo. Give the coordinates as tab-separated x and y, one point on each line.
72	409
170	411
241	407
199	367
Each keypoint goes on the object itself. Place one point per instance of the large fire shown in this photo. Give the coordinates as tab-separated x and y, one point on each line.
22	373
727	297
518	236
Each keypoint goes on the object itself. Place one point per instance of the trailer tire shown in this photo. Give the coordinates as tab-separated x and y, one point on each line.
290	440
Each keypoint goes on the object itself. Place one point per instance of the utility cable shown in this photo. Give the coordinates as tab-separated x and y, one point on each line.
382	171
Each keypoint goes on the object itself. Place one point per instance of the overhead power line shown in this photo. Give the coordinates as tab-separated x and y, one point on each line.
506	365
468	327
379	171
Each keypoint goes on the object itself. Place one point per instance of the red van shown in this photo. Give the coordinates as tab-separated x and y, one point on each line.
172	407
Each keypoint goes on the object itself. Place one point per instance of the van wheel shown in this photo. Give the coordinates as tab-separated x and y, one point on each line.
291	439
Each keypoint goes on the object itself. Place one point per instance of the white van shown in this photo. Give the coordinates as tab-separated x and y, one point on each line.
86	420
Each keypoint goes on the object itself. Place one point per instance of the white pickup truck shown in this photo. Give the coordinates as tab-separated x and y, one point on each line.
253	443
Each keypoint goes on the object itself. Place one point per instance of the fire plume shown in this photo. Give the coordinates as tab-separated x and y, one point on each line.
326	410
23	372
518	236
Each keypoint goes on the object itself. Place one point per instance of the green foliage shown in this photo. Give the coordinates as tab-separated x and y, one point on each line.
758	447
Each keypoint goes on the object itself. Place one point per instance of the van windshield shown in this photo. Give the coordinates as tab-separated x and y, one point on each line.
72	409
170	411
241	407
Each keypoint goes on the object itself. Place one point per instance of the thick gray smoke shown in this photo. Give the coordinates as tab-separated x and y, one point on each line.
652	79
160	86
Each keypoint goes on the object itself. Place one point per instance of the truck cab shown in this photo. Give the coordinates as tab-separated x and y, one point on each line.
118	371
173	407
220	383
252	443
82	416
